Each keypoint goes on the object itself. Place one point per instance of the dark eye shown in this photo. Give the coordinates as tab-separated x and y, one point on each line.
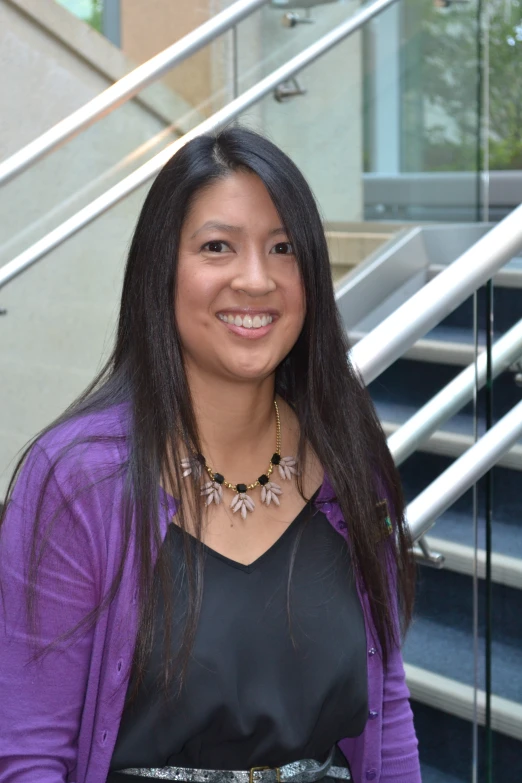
283	248
216	246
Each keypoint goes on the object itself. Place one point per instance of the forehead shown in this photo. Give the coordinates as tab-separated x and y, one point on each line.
237	199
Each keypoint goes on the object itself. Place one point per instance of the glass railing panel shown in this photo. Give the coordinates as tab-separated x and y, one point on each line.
502	504
39	199
275	34
55	187
423	112
502	521
58	186
322	130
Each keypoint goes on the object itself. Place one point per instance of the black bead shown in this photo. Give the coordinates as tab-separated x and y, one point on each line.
241	487
263	479
276	459
219	478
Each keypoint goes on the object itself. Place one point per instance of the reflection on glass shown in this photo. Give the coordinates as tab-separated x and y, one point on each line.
89	11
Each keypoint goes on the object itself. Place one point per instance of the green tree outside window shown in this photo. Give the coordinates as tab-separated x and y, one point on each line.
445	43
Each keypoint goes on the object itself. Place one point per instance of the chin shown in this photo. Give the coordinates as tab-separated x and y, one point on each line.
252	372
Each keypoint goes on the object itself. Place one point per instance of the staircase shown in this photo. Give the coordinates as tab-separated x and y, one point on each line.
439	648
349	244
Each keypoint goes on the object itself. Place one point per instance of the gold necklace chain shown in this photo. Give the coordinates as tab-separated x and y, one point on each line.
274	461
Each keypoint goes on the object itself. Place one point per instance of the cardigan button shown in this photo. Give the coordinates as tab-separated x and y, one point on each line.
327	507
371	774
372	651
372	714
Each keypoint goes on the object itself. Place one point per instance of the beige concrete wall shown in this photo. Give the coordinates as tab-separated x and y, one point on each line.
147	28
321	130
61	312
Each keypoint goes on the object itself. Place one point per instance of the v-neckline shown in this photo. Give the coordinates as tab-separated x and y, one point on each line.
250	567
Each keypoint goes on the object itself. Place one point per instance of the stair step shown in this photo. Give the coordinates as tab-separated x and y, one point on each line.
457	526
452	444
450	345
445	743
412	383
456	698
349	248
441	641
395	413
510	276
505	569
433	775
437	348
506	307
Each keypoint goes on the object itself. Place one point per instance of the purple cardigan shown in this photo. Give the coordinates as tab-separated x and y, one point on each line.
59	715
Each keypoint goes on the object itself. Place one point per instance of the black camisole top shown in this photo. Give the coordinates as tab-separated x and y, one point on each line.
253	697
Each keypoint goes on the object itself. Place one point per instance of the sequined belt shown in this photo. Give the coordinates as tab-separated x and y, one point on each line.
305	771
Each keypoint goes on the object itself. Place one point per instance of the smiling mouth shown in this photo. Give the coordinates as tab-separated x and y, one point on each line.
257	321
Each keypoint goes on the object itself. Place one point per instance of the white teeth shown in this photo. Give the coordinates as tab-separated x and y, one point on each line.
247	322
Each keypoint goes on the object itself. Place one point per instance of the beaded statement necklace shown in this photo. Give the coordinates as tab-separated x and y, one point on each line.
212	490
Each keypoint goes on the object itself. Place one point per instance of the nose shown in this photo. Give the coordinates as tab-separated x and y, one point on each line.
252	274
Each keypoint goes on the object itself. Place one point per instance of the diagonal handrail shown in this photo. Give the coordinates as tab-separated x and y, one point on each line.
425	309
145	172
127	87
454	395
462	474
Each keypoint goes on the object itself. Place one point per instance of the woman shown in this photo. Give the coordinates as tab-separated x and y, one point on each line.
197	575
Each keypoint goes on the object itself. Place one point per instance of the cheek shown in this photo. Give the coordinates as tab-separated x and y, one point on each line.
196	290
296	302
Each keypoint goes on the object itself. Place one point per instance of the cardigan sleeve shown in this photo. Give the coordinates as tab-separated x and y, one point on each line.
399	749
42	698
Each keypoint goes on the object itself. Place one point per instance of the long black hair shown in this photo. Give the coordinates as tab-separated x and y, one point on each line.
146	371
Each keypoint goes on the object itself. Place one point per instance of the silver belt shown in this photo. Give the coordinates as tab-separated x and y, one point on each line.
305	771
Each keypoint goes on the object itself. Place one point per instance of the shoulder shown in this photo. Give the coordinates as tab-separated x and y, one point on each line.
89	439
83	452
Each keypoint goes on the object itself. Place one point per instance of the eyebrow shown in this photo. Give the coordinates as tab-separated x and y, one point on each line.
211	224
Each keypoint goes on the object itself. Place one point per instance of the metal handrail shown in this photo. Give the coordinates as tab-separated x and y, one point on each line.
127	87
145	172
425	309
462	474
454	395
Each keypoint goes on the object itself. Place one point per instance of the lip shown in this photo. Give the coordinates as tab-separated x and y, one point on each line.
242	331
248	311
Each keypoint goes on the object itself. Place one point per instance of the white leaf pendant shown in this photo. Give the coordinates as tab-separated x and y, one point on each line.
269	493
191	465
287	467
242	503
213	492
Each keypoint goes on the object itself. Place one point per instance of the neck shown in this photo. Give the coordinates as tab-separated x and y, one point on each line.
236	424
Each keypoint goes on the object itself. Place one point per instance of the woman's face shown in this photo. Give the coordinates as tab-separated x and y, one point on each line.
240	302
